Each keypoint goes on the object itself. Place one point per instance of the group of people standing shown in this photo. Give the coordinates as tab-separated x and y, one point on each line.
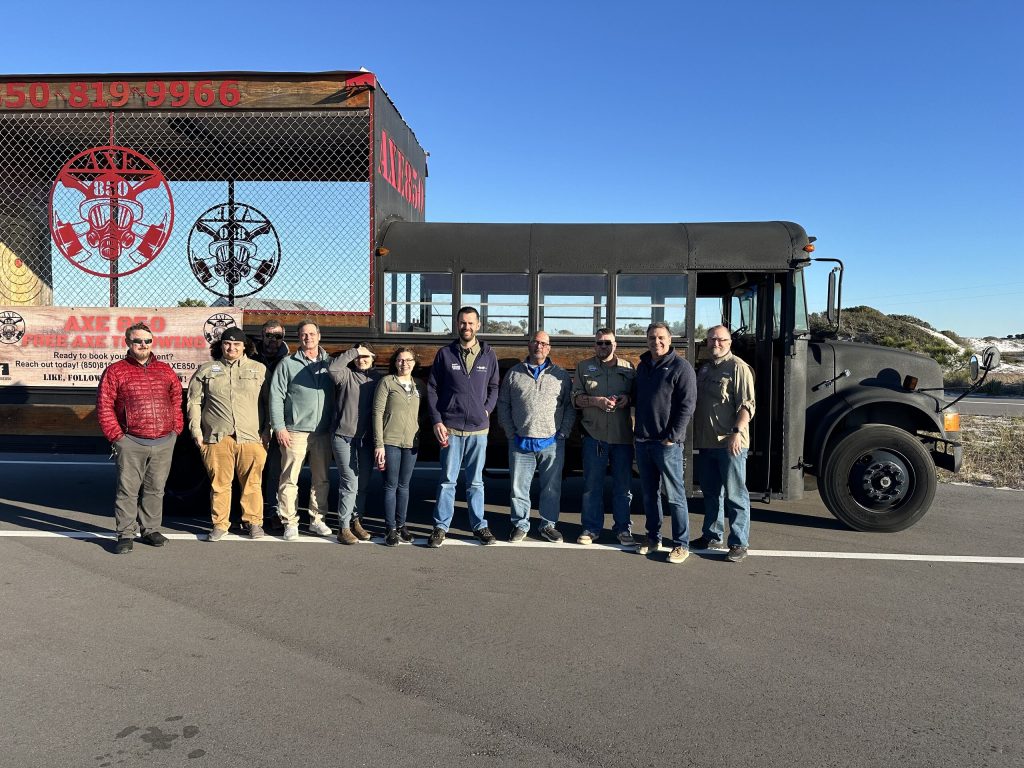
258	418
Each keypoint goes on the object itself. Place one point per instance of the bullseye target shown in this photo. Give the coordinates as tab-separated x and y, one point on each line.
19	285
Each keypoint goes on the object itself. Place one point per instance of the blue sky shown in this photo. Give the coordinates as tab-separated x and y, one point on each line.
892	131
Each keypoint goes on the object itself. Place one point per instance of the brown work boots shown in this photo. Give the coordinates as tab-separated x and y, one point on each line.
353	535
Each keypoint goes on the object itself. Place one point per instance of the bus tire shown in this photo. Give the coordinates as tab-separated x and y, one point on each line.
878	478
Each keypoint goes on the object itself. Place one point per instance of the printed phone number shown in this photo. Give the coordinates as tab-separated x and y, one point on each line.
103	95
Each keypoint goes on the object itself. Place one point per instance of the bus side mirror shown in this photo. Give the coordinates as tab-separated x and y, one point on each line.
832	309
982	363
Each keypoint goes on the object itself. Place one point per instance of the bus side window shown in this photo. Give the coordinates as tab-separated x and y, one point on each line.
418	303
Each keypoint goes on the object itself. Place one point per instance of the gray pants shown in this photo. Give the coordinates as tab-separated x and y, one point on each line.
141	469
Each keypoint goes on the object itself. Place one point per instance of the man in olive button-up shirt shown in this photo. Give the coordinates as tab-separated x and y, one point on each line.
601	391
224	401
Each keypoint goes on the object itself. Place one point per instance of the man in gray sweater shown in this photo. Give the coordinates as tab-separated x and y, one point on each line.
535	410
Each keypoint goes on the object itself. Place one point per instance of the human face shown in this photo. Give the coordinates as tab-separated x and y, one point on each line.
272	339
405	362
469	325
540	345
364	360
604	346
309	339
140	345
232	350
659	341
719	342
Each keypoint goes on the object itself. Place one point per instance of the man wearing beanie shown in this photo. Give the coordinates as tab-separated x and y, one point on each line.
224	402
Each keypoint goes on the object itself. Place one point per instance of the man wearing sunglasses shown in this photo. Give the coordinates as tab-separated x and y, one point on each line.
138	406
271	349
601	392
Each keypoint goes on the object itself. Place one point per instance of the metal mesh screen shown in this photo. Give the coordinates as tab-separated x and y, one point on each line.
265	210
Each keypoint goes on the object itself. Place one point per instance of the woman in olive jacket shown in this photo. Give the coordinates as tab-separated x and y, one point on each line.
396	426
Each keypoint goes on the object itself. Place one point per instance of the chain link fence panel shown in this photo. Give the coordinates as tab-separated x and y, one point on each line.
264	210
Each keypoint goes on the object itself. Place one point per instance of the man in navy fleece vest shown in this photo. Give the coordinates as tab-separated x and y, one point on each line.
462	390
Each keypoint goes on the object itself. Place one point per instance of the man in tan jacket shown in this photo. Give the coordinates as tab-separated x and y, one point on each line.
224	401
725	406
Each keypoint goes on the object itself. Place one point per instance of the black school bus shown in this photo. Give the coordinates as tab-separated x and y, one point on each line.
866	424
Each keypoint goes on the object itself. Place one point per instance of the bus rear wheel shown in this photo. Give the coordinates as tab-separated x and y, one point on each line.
878	478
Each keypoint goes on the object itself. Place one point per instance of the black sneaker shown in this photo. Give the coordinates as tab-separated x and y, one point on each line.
551	534
391	537
405	536
123	546
736	554
705	543
518	534
484	535
154	539
436	538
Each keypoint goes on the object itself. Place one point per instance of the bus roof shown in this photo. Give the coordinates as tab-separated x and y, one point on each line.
771	246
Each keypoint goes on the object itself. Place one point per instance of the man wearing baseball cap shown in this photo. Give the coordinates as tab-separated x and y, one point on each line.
224	402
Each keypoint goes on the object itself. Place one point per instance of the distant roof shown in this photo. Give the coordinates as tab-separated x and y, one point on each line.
253	304
726	246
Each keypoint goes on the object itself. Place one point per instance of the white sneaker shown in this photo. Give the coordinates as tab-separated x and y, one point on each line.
626	539
587	537
320	528
291	532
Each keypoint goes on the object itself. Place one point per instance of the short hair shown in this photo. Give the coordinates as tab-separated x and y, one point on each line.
303	323
393	363
272	324
467	310
604	332
136	327
659	324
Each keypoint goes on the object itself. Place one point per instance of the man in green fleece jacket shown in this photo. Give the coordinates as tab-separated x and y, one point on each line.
301	412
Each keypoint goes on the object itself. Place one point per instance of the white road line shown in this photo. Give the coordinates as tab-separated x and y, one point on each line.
421	541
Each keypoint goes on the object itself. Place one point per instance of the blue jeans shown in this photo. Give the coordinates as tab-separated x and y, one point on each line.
463	452
723	481
354	458
597	455
661	468
521	466
399	463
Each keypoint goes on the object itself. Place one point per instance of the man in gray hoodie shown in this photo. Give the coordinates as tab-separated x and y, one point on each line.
535	410
301	413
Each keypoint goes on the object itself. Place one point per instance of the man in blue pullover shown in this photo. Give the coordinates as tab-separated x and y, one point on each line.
462	390
666	394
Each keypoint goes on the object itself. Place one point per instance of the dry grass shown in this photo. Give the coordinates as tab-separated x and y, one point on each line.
993	452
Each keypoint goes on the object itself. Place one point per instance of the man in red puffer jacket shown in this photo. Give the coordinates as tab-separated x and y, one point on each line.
138	406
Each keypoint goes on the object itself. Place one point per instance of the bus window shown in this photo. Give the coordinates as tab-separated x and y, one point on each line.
744	312
707	314
572	305
643	299
800	324
418	303
502	299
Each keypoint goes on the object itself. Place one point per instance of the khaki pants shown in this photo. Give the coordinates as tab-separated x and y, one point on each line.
225	460
319	449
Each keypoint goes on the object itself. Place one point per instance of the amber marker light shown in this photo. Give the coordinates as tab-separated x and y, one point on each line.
809	248
951	422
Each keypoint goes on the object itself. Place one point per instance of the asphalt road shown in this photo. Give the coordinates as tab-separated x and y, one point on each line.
269	653
990	406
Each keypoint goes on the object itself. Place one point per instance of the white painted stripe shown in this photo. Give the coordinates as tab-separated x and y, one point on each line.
466	542
103	463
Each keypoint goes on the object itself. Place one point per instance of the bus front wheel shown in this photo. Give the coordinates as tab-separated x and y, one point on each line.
878	478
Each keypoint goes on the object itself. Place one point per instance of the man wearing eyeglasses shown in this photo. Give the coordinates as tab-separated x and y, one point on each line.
725	405
601	392
271	349
535	410
225	400
138	406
